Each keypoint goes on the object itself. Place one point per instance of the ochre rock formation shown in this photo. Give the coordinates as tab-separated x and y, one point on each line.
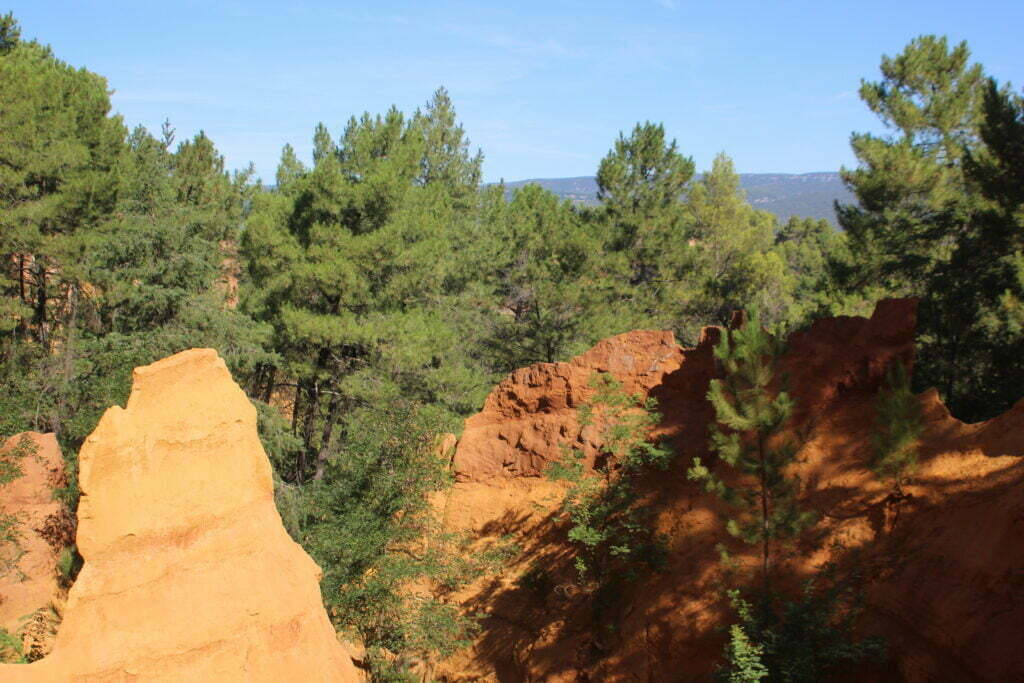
941	566
30	594
189	574
531	412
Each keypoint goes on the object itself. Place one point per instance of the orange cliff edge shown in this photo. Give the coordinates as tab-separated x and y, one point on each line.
941	567
189	573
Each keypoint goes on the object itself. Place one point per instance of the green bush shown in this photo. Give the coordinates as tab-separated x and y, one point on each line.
609	530
801	640
11	649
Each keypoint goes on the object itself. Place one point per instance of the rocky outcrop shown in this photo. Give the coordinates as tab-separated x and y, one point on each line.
533	411
940	565
189	573
30	593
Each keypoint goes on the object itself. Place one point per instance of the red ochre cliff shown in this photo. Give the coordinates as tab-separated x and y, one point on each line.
942	568
189	574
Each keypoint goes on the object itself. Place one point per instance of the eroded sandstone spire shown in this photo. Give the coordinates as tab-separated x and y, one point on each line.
189	574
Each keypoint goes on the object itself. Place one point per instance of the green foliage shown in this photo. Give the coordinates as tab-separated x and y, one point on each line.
744	658
898	427
813	252
367	523
381	291
10	33
970	329
640	183
11	649
388	669
798	641
545	270
446	161
910	185
10	460
733	258
750	416
937	219
608	526
113	250
69	563
348	264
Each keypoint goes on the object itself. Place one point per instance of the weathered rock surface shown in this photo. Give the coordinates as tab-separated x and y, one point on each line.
189	574
941	567
534	410
29	590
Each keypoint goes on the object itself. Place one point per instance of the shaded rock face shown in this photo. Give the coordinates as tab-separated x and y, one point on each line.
189	573
30	594
941	567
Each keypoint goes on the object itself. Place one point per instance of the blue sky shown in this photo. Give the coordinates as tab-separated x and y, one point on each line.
542	87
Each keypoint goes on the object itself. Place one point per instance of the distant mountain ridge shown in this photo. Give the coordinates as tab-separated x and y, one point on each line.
810	195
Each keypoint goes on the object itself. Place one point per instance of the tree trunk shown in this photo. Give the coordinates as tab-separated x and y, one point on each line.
309	421
300	387
21	280
40	320
256	380
268	389
312	408
764	512
325	439
69	356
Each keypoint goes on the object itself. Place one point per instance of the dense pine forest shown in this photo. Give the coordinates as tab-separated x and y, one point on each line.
369	298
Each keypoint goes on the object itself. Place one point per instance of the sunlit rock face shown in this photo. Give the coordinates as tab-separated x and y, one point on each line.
189	574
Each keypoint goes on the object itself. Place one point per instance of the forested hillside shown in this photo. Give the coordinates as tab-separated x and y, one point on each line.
372	297
810	195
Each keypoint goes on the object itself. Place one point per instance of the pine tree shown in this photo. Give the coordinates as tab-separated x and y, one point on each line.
58	157
640	182
972	349
289	170
733	262
813	250
910	185
928	222
750	416
10	33
744	658
446	159
349	262
544	269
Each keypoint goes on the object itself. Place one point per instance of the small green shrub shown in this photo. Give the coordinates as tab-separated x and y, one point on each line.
610	531
744	657
69	563
802	640
11	649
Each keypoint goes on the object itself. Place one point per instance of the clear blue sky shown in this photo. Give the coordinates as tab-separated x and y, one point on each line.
542	87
